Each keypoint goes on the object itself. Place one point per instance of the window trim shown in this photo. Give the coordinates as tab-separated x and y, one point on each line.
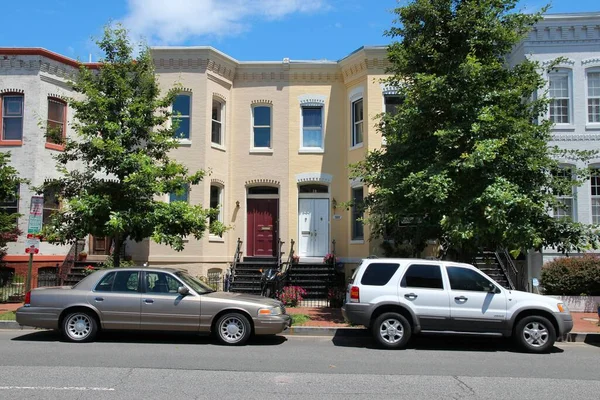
353	143
183	140
355	239
220	146
221	216
17	195
313	150
11	142
568	73
588	124
56	146
594	197
572	197
268	149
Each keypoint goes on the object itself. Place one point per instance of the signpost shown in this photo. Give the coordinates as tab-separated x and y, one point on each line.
34	227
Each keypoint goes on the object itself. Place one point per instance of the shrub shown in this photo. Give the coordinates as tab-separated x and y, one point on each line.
291	296
572	276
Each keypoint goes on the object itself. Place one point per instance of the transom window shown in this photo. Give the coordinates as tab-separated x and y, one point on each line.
261	127
357	122
56	121
181	116
181	195
263	190
12	117
593	83
217	122
357	214
559	94
312	127
565	197
595	187
313	188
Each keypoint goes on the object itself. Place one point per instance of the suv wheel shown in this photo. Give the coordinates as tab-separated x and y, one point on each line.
535	334
391	330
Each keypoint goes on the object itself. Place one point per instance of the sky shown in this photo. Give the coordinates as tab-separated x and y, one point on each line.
247	30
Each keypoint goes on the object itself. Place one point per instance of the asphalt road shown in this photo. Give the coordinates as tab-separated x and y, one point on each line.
38	365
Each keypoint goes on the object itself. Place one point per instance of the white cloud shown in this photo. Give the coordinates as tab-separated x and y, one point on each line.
174	21
338	25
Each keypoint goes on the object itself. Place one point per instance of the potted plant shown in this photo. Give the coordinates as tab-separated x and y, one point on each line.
82	256
295	259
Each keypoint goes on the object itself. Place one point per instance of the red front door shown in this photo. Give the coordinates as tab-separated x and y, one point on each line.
262	227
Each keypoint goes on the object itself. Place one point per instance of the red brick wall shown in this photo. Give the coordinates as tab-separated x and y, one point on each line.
21	269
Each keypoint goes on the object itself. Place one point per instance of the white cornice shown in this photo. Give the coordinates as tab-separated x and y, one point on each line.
314	177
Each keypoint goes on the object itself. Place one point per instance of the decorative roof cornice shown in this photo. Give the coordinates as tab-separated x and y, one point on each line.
38	51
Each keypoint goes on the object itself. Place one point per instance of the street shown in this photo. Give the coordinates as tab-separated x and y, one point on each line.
38	365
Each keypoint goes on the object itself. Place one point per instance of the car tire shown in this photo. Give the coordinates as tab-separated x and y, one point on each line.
79	326
391	330
535	334
233	329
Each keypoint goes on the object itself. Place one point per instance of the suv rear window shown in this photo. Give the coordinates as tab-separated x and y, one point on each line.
423	276
378	274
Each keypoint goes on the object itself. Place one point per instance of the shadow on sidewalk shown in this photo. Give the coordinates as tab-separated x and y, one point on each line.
443	342
149	337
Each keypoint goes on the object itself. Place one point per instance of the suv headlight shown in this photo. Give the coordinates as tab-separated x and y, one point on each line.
269	311
562	307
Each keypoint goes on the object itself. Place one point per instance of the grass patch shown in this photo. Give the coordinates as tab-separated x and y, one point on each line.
299	319
8	316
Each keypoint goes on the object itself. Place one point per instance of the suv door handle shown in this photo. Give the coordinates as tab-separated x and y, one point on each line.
461	298
411	296
148	301
99	299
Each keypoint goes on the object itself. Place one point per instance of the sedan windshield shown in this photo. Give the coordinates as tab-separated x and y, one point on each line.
196	284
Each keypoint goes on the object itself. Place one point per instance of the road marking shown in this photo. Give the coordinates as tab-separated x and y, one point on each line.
79	388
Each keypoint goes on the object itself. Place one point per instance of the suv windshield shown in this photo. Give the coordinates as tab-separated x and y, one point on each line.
196	284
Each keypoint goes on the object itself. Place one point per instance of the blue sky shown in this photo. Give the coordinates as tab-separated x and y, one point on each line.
244	29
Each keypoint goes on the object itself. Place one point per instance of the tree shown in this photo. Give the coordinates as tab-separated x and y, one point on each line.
9	182
467	159
123	144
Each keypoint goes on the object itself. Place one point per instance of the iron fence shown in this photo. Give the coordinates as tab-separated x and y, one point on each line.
215	280
12	286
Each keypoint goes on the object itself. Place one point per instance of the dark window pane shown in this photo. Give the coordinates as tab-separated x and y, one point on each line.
262	137
263	190
262	116
358	111
13	106
159	282
357	225
378	274
181	105
216	110
423	276
13	128
216	132
314	188
466	279
392	103
126	281
56	111
182	195
311	117
105	285
183	130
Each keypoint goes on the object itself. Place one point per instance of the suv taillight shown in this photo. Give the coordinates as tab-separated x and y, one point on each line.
354	294
27	299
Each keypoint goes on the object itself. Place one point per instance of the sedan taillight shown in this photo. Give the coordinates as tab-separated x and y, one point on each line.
354	294
27	299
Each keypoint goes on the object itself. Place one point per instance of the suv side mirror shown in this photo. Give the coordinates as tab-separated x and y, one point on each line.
493	288
182	290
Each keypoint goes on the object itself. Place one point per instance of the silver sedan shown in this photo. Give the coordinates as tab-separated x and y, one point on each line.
150	299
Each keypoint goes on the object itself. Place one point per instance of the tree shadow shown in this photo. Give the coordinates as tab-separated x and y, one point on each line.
438	342
150	337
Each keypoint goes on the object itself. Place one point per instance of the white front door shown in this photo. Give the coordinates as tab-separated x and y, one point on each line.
313	226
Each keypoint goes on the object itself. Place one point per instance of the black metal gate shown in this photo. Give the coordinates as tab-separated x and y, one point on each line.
48	276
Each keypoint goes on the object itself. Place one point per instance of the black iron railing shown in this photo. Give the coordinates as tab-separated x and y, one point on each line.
280	252
516	279
70	259
230	276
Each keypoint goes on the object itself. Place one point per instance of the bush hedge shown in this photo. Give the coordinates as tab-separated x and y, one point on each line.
572	276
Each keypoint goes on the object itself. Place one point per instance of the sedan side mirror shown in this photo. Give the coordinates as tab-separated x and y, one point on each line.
182	290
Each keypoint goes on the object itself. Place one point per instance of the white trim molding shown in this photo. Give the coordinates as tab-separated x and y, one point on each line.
566	63
312	100
356	182
262	182
356	94
595	61
314	177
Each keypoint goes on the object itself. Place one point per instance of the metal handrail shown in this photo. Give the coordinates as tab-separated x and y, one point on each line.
280	244
69	261
510	271
514	272
236	259
290	260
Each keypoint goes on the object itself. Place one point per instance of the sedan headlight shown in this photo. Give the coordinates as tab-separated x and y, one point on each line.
269	311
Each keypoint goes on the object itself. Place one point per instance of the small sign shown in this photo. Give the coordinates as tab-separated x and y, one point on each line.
32	245
536	283
36	212
337	217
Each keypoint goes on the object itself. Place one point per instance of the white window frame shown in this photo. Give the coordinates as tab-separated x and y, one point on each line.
318	149
354	185
220	217
354	143
595	198
562	73
184	140
254	149
223	105
588	71
566	199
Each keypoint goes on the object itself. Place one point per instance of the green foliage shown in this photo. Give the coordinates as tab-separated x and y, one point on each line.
572	276
467	159
9	181
299	319
123	143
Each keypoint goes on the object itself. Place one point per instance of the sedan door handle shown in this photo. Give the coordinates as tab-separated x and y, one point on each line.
411	296
461	298
148	301
99	299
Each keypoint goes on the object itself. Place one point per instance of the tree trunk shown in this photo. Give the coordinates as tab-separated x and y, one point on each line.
117	252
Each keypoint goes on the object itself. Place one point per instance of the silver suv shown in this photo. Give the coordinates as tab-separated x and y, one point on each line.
396	298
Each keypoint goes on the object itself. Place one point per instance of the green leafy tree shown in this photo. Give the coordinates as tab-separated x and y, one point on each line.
467	159
9	182
118	167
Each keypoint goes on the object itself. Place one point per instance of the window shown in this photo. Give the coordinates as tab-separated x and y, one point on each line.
313	188
11	206
51	204
180	195
261	127
216	201
378	274
595	186
392	102
357	225
122	281
559	94
565	197
423	276
56	129
12	117
181	115
469	280
357	122
217	123
263	190
312	127
593	84
162	283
